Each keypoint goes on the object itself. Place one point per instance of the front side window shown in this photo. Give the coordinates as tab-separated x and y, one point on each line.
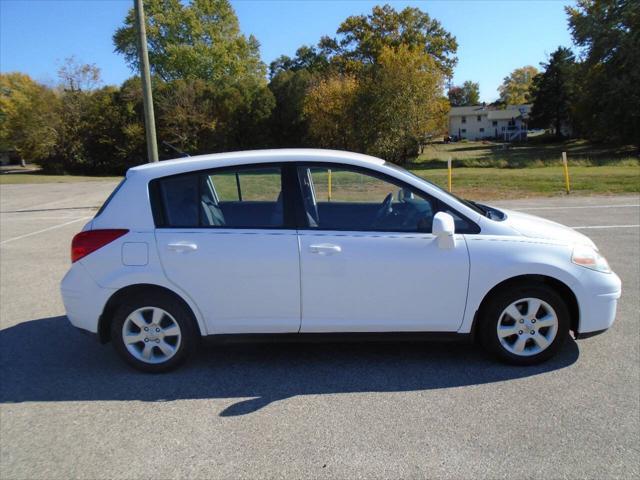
244	197
345	199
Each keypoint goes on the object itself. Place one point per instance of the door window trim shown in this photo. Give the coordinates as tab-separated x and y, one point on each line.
302	220
288	176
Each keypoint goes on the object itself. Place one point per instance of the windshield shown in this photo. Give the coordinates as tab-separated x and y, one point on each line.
472	205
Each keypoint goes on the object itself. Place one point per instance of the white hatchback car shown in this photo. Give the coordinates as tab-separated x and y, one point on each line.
317	243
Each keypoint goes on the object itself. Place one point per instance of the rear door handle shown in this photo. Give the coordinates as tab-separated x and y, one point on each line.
182	247
325	249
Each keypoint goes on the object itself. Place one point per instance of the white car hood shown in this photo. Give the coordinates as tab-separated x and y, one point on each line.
536	227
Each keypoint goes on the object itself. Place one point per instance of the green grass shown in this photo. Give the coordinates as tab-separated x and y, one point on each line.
494	183
534	153
471	182
22	178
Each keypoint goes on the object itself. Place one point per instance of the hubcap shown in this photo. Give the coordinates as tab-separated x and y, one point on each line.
527	327
151	335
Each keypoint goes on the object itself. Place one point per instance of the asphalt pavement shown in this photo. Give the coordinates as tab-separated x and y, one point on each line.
69	408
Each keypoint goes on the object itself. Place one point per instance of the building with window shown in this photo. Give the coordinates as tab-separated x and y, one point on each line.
483	122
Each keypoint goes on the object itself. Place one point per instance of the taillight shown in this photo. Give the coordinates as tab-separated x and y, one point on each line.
86	242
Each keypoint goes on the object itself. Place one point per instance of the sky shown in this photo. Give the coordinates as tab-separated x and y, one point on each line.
494	37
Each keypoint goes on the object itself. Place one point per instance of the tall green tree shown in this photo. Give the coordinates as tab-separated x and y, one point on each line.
307	58
28	117
361	39
515	88
403	103
288	123
330	108
553	92
465	95
291	78
200	39
608	31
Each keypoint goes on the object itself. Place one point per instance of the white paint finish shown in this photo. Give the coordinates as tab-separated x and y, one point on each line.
581	207
382	282
244	281
597	227
257	281
135	254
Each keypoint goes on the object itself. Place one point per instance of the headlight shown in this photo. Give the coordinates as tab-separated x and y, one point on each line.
590	258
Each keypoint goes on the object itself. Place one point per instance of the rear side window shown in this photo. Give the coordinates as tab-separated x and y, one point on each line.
244	197
180	200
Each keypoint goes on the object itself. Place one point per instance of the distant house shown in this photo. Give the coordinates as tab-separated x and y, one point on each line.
483	122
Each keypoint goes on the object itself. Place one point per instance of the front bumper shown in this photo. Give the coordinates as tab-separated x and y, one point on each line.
83	298
598	301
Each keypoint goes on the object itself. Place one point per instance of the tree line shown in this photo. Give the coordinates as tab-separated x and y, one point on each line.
377	86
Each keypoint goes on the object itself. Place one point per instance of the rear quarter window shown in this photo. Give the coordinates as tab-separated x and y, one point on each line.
179	199
110	197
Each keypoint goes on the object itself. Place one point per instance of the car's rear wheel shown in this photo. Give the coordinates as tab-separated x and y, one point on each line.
153	332
525	325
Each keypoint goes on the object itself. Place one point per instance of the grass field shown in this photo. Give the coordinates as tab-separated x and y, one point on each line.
496	183
482	170
527	155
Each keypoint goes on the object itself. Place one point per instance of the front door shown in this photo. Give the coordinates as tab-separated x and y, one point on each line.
225	243
368	259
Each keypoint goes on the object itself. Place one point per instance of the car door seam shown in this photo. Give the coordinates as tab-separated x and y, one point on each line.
299	277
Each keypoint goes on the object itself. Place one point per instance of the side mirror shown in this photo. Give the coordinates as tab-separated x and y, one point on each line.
444	228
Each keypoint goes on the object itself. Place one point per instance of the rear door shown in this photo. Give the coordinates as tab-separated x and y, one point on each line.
225	238
369	262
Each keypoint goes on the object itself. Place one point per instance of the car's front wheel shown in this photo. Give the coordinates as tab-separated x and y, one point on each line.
525	325
153	332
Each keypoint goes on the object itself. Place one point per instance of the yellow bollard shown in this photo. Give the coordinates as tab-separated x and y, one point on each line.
566	172
449	173
329	186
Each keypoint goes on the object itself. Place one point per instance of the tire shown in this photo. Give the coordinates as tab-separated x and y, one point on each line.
531	337
171	334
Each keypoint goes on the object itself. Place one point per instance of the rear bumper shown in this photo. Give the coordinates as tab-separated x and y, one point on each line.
83	298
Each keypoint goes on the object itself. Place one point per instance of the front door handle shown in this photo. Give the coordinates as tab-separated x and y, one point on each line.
182	247
325	249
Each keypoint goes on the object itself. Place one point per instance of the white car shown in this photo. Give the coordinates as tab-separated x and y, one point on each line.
317	243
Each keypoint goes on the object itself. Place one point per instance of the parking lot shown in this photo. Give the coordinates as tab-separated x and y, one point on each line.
70	408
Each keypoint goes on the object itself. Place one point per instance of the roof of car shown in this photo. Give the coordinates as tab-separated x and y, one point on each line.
186	164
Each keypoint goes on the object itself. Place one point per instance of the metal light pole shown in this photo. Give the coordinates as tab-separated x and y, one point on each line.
149	118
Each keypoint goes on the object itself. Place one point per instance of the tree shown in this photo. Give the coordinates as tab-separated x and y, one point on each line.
609	98
330	107
553	92
75	76
288	123
362	38
515	87
307	58
466	95
201	39
403	103
28	120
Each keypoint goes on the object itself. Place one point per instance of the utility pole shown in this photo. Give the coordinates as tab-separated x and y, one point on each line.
147	98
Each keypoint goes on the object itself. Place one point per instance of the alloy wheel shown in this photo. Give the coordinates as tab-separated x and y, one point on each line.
527	327
151	335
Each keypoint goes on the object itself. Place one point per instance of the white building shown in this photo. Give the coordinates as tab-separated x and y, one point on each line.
484	122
